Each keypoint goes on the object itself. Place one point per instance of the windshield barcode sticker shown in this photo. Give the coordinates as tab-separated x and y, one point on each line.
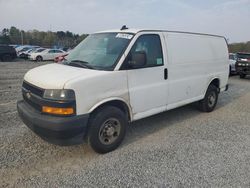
124	36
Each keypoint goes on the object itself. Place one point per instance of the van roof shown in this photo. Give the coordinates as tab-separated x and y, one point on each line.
134	31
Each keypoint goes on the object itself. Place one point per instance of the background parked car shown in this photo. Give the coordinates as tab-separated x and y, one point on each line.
25	48
7	53
243	64
232	61
34	51
48	54
24	54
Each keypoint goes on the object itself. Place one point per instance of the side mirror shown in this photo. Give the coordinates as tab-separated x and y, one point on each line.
137	59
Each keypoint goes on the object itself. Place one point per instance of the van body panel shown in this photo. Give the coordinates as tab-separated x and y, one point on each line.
54	76
194	61
147	89
147	82
91	91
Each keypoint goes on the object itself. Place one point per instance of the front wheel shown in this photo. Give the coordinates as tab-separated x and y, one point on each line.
107	129
210	100
39	58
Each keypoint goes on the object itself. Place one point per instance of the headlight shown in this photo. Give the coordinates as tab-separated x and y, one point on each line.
59	94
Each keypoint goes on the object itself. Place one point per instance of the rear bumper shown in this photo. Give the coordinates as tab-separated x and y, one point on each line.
224	88
56	130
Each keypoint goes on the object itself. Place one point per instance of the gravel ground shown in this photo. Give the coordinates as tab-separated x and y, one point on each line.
179	148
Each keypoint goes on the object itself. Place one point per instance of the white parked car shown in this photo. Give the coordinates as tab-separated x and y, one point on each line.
48	54
24	54
25	48
232	61
120	76
34	51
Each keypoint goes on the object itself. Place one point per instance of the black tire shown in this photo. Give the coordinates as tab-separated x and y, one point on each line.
242	75
39	58
7	57
210	100
230	71
103	133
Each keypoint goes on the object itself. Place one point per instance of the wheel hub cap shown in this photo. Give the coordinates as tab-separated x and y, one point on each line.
211	100
109	131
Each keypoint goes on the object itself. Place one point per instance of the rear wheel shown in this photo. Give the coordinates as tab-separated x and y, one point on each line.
210	100
107	129
39	58
242	75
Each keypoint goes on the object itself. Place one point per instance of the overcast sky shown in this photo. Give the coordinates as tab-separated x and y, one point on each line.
230	18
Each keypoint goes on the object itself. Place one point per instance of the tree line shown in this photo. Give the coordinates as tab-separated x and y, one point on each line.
68	39
14	35
239	47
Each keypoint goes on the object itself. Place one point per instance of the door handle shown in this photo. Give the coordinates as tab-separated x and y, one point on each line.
165	73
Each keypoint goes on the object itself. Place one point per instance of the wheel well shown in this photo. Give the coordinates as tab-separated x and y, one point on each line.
216	82
119	104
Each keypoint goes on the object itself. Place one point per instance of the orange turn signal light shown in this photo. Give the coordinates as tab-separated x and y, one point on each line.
58	111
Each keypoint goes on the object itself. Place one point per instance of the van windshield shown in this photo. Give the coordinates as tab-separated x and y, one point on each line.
99	51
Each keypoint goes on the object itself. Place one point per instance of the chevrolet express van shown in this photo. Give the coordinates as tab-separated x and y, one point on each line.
119	76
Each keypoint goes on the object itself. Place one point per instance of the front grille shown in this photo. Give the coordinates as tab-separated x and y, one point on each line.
29	95
32	103
33	89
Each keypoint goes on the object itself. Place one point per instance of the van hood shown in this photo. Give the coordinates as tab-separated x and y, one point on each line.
54	76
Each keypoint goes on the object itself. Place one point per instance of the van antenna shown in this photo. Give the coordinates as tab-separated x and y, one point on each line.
124	27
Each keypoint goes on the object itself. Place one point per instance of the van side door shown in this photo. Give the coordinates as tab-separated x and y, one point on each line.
146	82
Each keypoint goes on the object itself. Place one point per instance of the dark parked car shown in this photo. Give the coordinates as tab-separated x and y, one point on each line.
243	64
7	53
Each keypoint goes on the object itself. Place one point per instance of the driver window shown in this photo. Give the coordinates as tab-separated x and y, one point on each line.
150	46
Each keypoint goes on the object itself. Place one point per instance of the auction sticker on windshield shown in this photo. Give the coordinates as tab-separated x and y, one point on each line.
124	36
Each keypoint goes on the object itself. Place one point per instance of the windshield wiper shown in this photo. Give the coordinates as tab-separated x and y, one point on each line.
80	63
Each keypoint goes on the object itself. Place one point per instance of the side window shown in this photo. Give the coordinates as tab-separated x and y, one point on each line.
146	52
51	51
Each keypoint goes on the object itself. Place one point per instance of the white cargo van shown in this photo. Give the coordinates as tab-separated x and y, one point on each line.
119	76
